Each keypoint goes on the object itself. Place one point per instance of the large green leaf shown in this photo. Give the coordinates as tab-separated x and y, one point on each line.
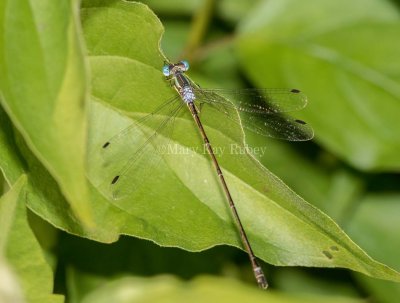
344	55
21	249
182	204
43	89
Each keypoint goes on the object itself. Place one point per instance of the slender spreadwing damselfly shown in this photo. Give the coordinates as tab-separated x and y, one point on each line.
261	111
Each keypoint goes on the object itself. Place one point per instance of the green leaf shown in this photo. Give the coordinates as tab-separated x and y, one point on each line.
10	159
181	204
344	56
233	11
174	39
10	290
43	89
43	194
44	197
298	282
21	249
375	225
203	289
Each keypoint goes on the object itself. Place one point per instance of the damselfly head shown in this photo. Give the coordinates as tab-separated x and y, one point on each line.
171	69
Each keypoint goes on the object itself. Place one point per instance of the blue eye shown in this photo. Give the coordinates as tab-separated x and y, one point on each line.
185	64
166	70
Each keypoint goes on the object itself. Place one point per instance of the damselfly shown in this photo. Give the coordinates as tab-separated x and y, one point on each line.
257	110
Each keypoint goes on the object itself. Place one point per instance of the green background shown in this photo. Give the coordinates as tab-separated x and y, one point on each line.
74	74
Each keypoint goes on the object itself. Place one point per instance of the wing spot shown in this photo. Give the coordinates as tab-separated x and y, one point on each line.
300	121
106	144
295	91
115	180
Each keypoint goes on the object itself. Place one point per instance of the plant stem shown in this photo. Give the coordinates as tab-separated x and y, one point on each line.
198	29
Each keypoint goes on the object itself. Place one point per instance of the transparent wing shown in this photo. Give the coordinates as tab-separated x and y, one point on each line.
258	100
133	155
258	117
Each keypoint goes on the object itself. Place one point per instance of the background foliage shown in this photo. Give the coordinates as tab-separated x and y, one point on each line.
68	74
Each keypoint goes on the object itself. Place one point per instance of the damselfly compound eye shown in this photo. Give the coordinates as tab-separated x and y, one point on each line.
166	71
185	65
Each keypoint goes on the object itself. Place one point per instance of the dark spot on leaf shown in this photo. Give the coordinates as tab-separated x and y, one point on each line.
106	144
296	91
300	121
334	248
115	180
327	254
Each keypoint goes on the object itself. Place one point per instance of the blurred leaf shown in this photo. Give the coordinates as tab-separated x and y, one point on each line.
218	70
22	250
79	285
344	56
10	290
142	258
174	7
145	258
42	83
375	225
174	38
343	194
233	11
283	228
203	289
298	282
380	291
